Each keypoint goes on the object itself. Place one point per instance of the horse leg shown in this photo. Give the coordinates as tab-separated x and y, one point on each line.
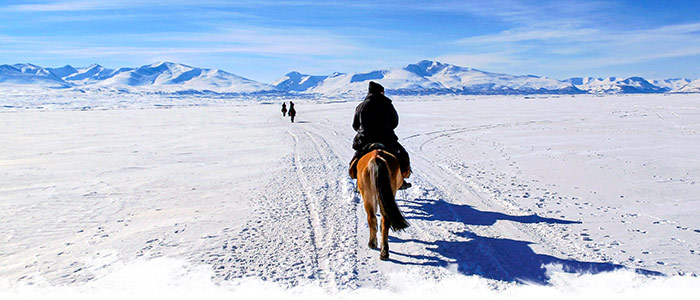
372	222
384	252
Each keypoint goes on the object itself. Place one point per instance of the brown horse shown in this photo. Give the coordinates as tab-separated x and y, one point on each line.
378	178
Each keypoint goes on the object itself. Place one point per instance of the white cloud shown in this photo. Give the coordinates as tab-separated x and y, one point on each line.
259	41
483	60
541	34
69	6
585	47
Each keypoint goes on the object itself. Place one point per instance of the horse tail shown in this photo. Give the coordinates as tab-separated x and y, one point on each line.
381	178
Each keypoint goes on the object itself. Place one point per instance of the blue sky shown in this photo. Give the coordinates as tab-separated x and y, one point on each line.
263	40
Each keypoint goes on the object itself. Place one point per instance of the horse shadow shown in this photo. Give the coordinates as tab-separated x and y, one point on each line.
489	257
425	209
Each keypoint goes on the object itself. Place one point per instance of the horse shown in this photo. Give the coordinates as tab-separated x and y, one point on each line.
378	178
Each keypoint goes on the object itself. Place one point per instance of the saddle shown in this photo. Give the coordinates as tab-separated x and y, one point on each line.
366	149
374	146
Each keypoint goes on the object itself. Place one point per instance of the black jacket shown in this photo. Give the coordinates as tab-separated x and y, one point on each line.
375	121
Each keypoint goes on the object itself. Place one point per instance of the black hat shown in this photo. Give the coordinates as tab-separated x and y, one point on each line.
375	88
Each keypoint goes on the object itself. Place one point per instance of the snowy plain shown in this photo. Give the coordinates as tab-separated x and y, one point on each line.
111	194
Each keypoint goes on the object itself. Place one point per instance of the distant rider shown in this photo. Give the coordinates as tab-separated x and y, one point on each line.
375	121
292	111
284	109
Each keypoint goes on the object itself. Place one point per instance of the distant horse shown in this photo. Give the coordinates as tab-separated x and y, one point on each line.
378	178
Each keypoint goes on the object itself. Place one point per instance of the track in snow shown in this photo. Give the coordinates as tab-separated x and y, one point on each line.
306	224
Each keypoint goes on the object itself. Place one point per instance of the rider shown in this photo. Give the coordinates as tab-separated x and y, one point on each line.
375	121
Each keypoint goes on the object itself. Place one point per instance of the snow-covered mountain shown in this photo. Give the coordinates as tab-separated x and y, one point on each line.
615	85
62	71
475	81
170	77
297	82
89	75
158	77
29	75
691	87
425	77
671	84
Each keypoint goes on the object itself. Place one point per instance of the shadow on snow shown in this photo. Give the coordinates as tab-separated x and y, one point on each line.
493	258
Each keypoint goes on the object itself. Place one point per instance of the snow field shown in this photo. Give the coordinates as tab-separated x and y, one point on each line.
239	198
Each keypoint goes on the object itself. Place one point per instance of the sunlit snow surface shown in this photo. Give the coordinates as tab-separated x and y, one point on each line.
113	194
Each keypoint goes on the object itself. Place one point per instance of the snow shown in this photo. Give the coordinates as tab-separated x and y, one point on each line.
106	193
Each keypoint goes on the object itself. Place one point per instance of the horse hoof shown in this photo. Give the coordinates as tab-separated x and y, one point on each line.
372	245
384	255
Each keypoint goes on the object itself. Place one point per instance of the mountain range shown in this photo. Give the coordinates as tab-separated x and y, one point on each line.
158	77
424	77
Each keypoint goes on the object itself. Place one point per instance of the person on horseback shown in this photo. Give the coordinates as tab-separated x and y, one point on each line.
375	121
284	109
292	111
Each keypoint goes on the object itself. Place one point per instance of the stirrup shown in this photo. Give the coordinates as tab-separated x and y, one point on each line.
405	185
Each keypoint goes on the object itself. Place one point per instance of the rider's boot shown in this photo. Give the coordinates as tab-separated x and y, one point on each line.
405	175
405	185
352	171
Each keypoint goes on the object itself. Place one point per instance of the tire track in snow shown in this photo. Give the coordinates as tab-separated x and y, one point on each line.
334	217
278	244
667	120
306	224
311	210
449	132
358	263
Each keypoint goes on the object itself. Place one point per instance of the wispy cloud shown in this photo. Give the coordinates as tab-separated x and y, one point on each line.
483	60
530	34
70	6
259	41
585	47
83	5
